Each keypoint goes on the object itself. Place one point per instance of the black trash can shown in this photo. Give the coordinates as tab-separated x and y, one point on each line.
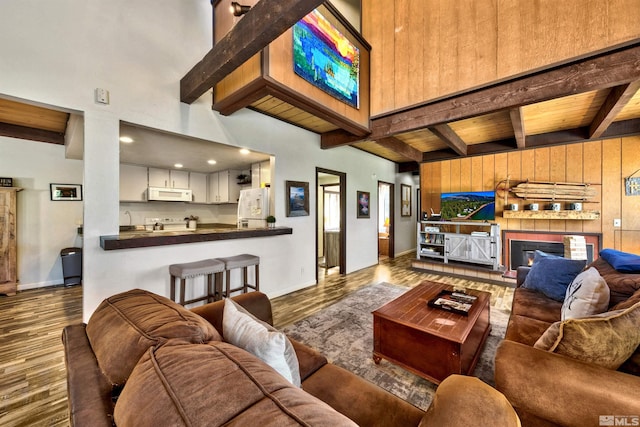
71	266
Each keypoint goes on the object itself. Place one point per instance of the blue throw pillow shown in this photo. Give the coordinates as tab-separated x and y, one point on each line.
551	274
623	262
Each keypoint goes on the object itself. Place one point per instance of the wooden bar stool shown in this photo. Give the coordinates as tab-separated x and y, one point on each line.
243	261
206	267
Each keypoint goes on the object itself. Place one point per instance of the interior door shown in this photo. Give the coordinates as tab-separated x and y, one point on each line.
331	243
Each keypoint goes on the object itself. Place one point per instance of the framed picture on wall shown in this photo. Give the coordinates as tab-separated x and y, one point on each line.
405	201
297	198
68	192
364	210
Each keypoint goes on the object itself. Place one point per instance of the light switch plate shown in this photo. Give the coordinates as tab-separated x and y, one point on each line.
102	96
617	222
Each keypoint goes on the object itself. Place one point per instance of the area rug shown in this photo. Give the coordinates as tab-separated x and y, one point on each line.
343	332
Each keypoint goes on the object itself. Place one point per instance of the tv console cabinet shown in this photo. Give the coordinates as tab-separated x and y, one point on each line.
472	242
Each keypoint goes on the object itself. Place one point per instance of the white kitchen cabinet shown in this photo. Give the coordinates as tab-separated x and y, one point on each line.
261	174
168	178
133	183
223	187
198	186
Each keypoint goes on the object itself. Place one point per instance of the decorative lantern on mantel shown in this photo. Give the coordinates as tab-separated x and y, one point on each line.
632	185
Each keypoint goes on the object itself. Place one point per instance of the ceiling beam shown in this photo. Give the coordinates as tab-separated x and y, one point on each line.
265	22
594	73
615	102
33	134
400	147
337	138
617	129
517	121
449	137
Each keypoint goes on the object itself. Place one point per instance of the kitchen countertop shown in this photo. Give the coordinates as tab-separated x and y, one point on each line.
130	237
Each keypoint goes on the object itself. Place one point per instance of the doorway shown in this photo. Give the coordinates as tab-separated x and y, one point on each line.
385	220
330	222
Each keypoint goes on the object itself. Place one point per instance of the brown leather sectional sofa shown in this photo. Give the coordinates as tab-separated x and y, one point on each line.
143	360
549	389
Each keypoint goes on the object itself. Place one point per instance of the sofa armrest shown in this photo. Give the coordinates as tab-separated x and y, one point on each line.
255	303
89	392
521	274
467	401
363	402
562	390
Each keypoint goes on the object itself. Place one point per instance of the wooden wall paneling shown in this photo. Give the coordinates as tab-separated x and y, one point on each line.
514	172
592	173
466	175
629	241
558	173
528	172
431	53
437	186
403	79
445	177
611	199
630	205
239	78
463	40
372	29
417	54
493	168
477	177
455	178
574	174
448	44
622	21
386	56
541	173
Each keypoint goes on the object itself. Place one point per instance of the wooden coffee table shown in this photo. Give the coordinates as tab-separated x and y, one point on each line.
430	342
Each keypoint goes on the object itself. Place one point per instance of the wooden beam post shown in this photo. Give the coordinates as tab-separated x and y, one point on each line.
517	121
400	147
449	137
265	22
615	102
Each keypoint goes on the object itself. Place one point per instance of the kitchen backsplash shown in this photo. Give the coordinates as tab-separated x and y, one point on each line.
135	213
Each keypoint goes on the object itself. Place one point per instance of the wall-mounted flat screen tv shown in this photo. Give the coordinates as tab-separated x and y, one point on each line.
324	57
468	205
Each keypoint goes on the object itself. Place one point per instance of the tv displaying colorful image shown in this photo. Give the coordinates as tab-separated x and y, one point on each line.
471	205
326	58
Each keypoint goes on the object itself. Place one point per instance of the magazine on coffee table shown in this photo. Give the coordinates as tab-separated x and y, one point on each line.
457	302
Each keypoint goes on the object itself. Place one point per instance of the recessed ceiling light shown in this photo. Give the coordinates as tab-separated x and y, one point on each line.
126	139
211	162
177	165
244	151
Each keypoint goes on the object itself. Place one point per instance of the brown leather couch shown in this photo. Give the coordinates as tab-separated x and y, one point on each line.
186	375
549	389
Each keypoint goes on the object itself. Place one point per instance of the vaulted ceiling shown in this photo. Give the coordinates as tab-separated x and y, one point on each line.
589	98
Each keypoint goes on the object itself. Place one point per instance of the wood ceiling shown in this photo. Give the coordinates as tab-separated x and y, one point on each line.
26	121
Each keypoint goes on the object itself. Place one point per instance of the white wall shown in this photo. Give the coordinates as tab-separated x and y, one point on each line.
58	52
44	226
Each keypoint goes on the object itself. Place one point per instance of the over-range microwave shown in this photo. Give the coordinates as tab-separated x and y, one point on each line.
169	194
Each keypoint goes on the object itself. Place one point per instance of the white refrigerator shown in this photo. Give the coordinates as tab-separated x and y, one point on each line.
253	208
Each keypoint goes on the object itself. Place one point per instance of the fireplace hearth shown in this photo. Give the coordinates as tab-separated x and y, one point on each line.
520	246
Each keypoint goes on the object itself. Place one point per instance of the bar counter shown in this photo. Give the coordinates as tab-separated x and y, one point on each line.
130	237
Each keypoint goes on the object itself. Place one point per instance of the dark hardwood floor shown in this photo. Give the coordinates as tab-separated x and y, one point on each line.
32	368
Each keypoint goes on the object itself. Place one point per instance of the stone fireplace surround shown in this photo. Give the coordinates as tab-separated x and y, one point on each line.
525	242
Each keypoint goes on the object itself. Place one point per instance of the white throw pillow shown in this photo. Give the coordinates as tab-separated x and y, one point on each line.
588	294
243	330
